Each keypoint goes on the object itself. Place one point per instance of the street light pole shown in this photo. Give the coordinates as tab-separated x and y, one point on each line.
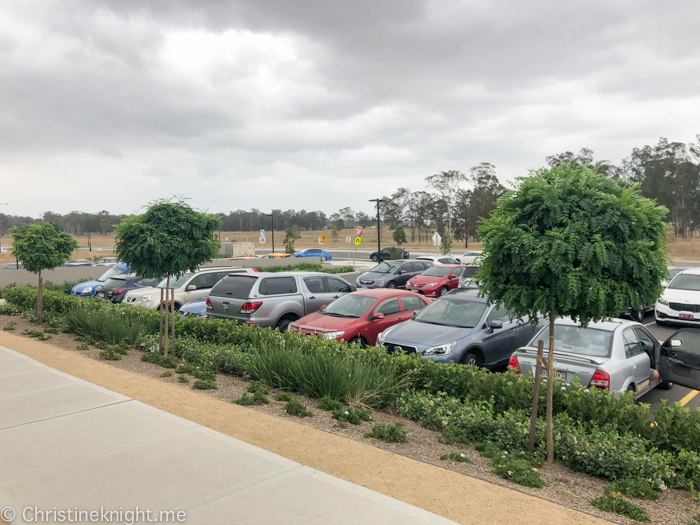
272	215
379	230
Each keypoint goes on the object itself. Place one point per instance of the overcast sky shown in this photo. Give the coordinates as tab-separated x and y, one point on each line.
323	104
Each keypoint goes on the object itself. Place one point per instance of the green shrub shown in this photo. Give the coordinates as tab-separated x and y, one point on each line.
9	326
50	330
196	371
284	396
110	355
460	457
257	398
634	488
294	407
33	333
183	379
487	449
517	470
258	386
352	415
329	405
614	502
204	384
9	309
167	373
389	433
307	267
83	346
105	323
159	359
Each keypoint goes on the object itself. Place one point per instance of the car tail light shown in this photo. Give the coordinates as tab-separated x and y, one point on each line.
256	271
249	308
513	364
209	305
600	380
117	292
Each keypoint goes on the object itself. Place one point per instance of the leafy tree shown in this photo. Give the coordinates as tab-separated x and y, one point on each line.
570	242
447	183
169	239
290	235
399	235
445	245
41	247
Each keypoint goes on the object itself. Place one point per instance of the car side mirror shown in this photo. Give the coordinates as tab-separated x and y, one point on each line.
191	287
377	315
676	342
323	307
353	288
415	313
460	262
453	276
400	272
495	325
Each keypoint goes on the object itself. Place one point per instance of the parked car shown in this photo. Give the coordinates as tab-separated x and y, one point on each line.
467	279
275	256
392	274
460	328
274	299
616	355
472	257
672	272
385	254
187	287
314	252
439	259
680	301
359	317
106	261
115	288
12	266
88	288
436	281
196	309
78	262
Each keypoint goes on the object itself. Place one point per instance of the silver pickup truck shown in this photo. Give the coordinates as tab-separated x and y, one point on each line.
274	299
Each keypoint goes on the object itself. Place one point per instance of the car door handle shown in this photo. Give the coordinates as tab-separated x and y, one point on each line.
312	297
335	296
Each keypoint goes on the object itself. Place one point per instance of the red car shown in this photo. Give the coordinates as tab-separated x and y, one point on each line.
437	280
359	317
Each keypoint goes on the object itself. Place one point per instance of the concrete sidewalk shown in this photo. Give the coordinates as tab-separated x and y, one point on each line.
68	444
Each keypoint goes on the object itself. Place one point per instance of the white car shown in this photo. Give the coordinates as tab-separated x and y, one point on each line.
471	258
439	259
188	287
680	301
106	261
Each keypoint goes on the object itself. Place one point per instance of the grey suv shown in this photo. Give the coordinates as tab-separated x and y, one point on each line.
392	274
274	299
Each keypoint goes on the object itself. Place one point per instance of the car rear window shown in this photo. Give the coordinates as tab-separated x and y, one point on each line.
577	340
234	286
470	271
114	283
278	285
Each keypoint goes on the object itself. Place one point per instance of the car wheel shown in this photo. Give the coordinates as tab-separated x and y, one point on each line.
471	358
283	324
391	285
324	258
374	258
357	341
443	291
630	388
638	314
665	385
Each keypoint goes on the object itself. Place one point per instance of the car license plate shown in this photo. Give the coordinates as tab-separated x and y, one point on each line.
686	315
100	295
557	374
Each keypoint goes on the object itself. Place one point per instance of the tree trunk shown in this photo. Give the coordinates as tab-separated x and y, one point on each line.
535	397
550	392
40	299
172	324
164	311
160	332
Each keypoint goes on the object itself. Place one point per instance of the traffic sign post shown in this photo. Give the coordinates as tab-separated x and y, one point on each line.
262	238
348	239
436	241
358	231
323	239
357	243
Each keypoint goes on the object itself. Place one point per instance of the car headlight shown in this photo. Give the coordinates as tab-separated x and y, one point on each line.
146	298
382	336
440	350
662	301
431	284
333	335
86	291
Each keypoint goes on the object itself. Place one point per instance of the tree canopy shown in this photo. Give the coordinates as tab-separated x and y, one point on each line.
41	246
570	242
170	238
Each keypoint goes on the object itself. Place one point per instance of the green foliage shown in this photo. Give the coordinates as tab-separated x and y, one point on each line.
50	330
169	238
635	488
399	236
259	397
108	324
83	346
284	396
294	407
445	244
571	242
307	267
160	359
41	246
395	253
329	405
167	373
614	502
517	470
9	326
33	333
204	384
389	433
290	235
200	372
352	415
459	457
183	379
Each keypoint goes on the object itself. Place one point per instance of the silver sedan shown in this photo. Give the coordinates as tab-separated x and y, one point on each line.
616	355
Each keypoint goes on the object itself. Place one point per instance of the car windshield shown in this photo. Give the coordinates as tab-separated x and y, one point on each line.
576	340
112	272
175	283
685	281
385	267
450	311
675	271
349	306
113	283
437	271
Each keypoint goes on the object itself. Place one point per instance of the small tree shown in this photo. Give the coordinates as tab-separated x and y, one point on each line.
290	235
399	235
169	239
570	242
41	247
445	245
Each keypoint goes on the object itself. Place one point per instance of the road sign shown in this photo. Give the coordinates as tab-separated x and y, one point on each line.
323	239
348	239
436	239
358	241
358	231
262	239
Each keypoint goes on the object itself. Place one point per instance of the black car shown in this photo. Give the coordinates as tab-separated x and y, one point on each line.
385	254
392	274
115	288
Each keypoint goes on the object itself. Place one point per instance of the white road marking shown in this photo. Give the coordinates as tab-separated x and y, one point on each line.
649	324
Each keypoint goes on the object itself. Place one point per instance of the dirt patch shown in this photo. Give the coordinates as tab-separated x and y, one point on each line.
443	487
